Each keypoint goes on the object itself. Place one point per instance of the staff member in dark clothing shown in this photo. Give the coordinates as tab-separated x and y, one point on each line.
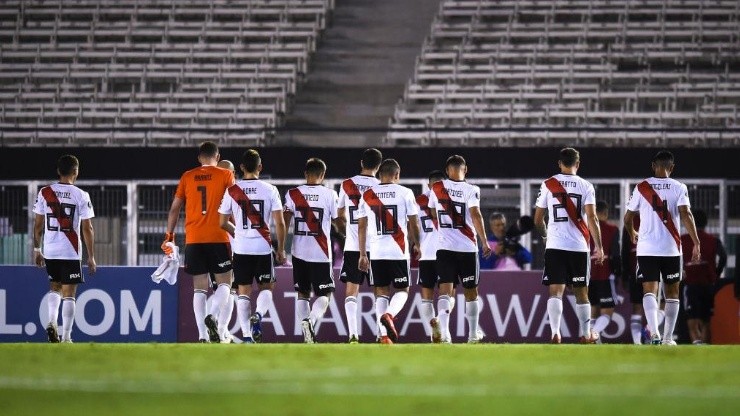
601	290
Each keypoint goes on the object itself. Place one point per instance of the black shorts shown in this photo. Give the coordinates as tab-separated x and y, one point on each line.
600	293
350	273
428	276
458	266
66	272
214	283
207	258
563	267
636	292
390	272
652	268
249	268
309	275
698	301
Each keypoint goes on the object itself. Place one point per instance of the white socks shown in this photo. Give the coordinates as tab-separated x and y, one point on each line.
302	308
650	305
671	313
636	329
319	308
264	299
601	323
68	318
583	312
350	309
554	314
243	311
472	312
381	306
199	309
224	316
444	309
427	314
397	301
53	301
218	300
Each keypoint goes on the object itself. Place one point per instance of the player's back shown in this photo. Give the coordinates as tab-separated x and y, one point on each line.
349	197
562	232
64	206
202	189
313	208
387	207
251	202
453	201
655	202
427	228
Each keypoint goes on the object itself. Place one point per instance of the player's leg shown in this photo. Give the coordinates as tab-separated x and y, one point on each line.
468	263
605	309
352	277
382	300
671	268
302	284
53	301
218	261
637	313
692	316
448	278
196	266
69	292
706	312
322	282
243	281
226	313
398	271
554	277
648	273
579	270
264	273
427	280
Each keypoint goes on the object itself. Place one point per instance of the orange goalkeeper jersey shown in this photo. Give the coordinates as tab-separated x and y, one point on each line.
202	189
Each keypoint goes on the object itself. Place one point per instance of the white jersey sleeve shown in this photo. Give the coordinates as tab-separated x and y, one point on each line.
63	206
562	233
654	239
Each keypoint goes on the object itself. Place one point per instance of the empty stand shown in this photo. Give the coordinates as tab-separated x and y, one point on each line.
656	71
124	72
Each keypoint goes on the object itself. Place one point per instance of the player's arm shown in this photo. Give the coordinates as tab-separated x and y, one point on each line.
615	258
225	222
629	226
539	222
687	218
593	226
364	263
477	218
413	223
38	233
341	221
169	234
88	234
722	254
278	219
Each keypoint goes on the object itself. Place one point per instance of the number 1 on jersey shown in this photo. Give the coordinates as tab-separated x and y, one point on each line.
202	190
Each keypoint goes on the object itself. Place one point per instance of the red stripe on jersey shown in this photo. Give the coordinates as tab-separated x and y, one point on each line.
458	222
380	209
350	188
65	222
311	221
558	192
255	217
423	202
661	210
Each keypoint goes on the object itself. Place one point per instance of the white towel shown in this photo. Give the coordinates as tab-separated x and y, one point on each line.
167	271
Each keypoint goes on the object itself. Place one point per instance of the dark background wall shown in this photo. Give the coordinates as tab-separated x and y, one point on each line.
288	162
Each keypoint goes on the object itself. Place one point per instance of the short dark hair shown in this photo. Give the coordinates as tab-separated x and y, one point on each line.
663	158
208	149
315	167
251	159
497	216
569	156
602	206
700	218
371	158
455	161
436	176
389	167
67	164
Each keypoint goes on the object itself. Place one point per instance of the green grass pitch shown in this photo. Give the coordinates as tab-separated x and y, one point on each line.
328	379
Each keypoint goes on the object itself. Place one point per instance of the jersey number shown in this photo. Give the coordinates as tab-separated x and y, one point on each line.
202	190
316	221
660	205
561	197
383	224
64	223
456	221
428	227
352	219
256	208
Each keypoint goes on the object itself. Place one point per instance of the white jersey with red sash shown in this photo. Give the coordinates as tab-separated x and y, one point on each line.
313	208
251	202
387	208
657	200
349	197
427	228
565	197
453	200
63	206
